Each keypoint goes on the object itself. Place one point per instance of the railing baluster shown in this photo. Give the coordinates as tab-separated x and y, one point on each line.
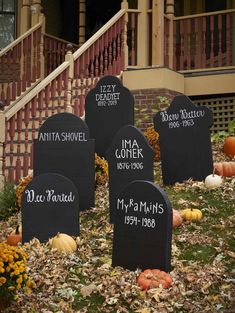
19	84
26	139
33	133
8	75
181	44
11	127
175	63
212	41
14	74
101	57
220	40
228	40
114	50
196	45
132	39
18	160
118	46
188	25
203	42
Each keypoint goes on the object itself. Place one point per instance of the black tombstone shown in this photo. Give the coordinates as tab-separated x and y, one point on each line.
63	146
142	228
50	205
130	157
108	107
185	142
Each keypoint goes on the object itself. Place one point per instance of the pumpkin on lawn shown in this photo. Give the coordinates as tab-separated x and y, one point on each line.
177	219
190	214
229	146
213	181
15	237
64	242
153	278
226	169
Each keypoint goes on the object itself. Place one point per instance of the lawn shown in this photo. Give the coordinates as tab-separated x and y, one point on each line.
203	260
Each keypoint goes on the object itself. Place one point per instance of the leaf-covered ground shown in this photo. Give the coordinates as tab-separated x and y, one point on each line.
203	259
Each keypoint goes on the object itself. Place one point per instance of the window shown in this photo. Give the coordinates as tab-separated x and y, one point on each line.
7	22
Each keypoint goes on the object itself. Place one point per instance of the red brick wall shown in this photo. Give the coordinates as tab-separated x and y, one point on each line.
148	102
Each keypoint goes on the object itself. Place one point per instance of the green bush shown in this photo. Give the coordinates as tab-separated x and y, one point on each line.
7	201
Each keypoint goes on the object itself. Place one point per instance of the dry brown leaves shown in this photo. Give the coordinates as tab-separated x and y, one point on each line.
61	279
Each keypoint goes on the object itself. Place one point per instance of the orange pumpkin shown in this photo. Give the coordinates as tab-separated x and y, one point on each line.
229	146
225	168
153	279
15	237
177	219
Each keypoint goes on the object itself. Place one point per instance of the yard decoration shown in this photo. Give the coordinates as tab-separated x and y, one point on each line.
15	237
64	243
177	219
226	169
229	146
213	181
153	278
191	214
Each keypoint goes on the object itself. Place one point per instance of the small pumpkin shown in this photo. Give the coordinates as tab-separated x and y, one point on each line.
153	278
177	219
64	242
213	181
226	169
229	146
15	237
191	214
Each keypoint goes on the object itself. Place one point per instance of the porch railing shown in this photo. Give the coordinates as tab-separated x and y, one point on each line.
202	41
54	52
20	65
63	90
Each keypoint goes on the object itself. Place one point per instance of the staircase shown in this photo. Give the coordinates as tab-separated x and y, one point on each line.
27	99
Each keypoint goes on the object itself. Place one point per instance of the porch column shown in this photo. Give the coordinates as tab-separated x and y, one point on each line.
25	17
143	34
82	22
158	33
35	12
124	5
170	14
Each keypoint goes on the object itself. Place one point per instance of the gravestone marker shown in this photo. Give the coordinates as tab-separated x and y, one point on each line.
63	146
142	228
185	142
130	157
49	205
108	107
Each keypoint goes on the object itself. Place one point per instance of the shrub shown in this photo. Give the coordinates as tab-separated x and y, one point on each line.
101	170
153	138
8	200
13	275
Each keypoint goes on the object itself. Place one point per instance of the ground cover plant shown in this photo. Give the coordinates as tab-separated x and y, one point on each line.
203	260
